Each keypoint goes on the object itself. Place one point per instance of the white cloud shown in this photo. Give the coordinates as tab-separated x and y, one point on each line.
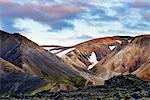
40	33
29	25
106	4
133	19
23	2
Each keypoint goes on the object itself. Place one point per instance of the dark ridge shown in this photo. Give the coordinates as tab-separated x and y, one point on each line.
16	34
19	50
123	36
22	38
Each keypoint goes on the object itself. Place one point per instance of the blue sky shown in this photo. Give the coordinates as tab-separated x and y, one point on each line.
68	22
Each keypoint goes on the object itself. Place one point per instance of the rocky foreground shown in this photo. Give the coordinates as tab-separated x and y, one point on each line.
118	87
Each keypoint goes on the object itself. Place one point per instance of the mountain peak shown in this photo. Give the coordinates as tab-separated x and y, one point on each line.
35	60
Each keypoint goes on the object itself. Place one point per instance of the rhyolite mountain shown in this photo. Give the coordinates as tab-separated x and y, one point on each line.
134	58
35	60
80	54
111	56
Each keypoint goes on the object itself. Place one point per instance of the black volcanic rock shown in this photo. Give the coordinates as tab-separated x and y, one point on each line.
111	90
124	80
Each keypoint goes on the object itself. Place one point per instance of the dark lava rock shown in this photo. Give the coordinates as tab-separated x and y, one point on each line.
118	87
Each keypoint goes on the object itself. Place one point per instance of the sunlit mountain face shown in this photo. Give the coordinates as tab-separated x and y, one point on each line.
74	49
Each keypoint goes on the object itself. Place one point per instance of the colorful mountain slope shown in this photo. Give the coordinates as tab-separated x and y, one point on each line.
127	60
35	60
14	81
81	54
88	63
113	56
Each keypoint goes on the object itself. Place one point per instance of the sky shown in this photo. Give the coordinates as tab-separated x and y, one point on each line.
68	22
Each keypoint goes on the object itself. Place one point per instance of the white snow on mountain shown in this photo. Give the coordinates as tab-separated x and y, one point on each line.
111	47
93	60
129	41
119	41
61	54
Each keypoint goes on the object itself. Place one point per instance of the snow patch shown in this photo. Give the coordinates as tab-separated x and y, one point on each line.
129	41
55	51
111	47
48	48
92	65
93	57
61	54
93	60
119	41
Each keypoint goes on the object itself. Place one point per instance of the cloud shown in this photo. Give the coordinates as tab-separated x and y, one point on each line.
82	31
29	25
22	2
5	1
38	11
140	4
102	13
68	22
84	37
146	16
40	33
49	14
61	25
134	21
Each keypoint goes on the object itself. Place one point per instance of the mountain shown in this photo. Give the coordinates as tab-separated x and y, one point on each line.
111	56
27	68
14	81
8	67
35	60
133	57
86	54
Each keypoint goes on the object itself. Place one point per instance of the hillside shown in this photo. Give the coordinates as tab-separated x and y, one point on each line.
14	80
35	60
110	56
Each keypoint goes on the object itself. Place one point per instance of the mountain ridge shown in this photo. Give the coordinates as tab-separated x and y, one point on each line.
89	63
137	49
35	60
